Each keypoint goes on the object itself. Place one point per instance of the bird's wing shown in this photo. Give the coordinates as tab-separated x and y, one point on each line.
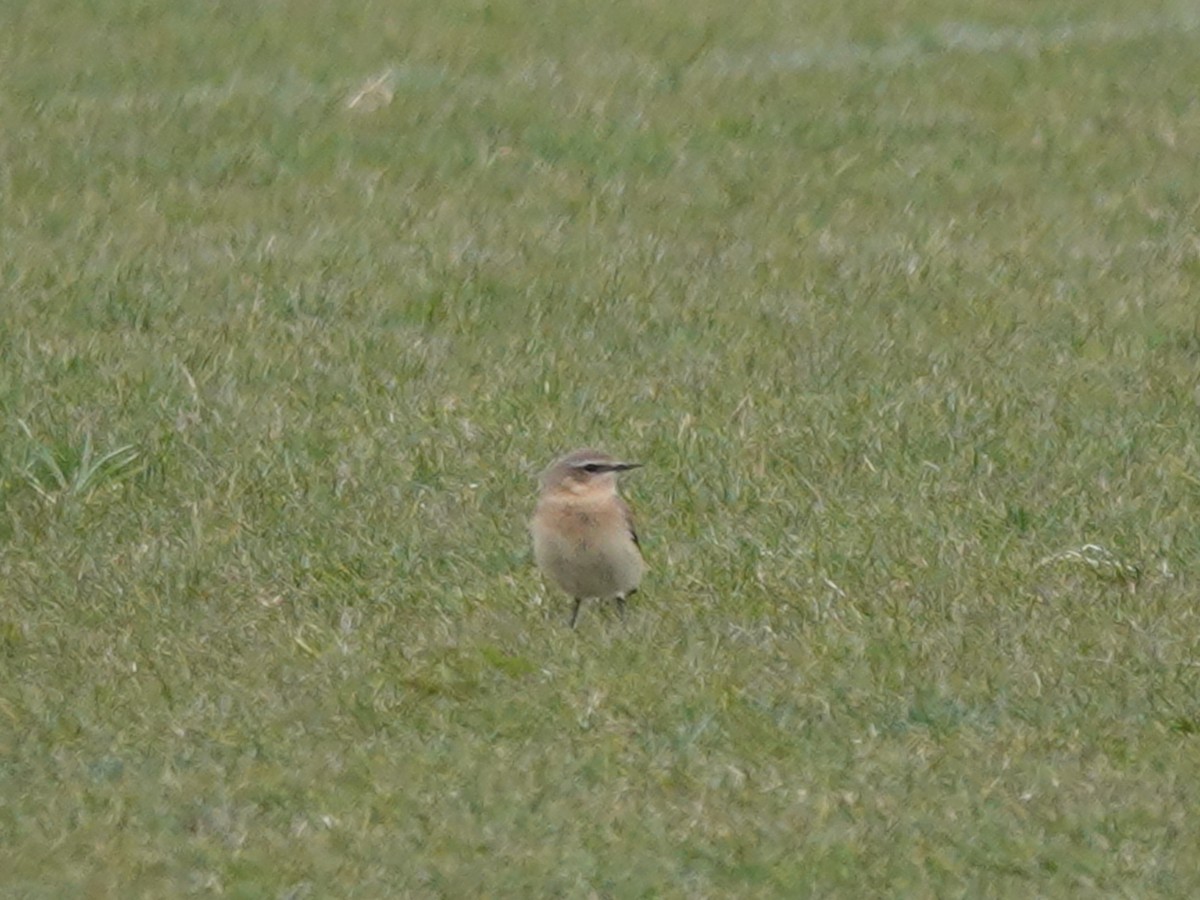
628	514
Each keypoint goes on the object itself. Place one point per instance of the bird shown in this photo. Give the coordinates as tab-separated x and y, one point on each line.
583	533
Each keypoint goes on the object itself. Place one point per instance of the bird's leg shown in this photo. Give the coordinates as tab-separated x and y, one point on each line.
621	598
575	611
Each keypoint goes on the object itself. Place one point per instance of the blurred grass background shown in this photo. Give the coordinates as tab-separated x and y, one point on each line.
897	302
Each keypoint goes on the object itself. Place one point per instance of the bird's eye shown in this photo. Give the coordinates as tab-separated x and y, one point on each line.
593	467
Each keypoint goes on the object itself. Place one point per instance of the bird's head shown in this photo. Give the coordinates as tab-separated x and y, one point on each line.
584	473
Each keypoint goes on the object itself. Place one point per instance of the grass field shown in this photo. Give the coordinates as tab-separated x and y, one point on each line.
899	302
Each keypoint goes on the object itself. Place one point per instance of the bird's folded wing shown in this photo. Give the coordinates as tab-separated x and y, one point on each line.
628	514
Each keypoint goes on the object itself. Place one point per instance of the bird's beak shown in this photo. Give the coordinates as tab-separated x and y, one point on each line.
621	467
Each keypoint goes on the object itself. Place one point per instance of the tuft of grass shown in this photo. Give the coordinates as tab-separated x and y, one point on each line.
65	471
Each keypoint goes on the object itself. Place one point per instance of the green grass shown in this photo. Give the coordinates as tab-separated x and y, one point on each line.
896	301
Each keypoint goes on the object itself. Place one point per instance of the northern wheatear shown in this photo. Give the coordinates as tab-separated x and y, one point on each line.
583	535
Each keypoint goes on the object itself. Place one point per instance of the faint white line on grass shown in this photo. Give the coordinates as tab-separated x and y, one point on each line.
1099	559
960	37
287	90
374	93
935	43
